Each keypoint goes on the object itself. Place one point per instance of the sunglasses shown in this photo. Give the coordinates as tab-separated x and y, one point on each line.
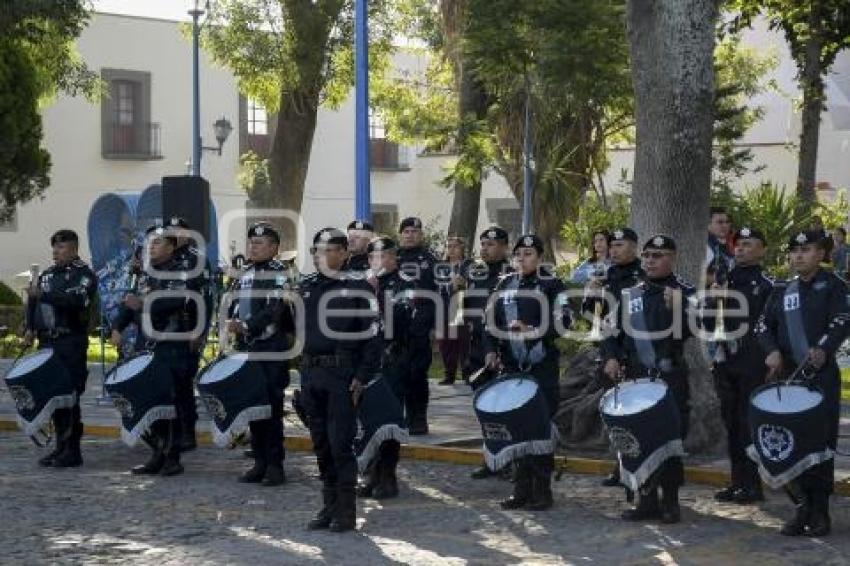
654	255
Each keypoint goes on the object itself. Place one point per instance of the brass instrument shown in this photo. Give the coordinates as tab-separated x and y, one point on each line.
596	334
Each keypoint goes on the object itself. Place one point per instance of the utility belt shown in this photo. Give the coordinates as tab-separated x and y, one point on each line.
327	361
57	333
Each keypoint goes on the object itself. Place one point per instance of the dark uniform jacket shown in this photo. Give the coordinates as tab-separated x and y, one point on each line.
64	305
743	352
347	293
823	309
482	279
516	297
261	304
396	314
617	278
187	257
417	264
644	305
359	262
169	313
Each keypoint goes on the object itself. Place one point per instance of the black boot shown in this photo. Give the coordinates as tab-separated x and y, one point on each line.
153	465
670	511
59	438
345	514
418	418
522	488
323	518
613	479
387	487
367	487
255	474
647	507
541	492
746	495
447	381
819	524
188	440
481	473
71	457
796	526
727	494
171	466
274	476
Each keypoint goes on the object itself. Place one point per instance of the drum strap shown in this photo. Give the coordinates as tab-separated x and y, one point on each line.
524	356
792	307
645	349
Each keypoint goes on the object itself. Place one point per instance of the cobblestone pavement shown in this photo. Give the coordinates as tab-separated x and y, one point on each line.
100	514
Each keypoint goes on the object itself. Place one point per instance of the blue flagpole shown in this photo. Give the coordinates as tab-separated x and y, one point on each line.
363	197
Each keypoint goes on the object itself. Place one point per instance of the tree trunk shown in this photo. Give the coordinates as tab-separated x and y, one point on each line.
672	46
290	159
472	106
812	85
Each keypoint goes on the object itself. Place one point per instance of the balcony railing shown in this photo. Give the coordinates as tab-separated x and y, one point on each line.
385	155
135	141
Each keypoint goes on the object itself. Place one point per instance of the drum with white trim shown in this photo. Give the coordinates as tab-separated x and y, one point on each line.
644	427
142	389
789	428
514	420
39	385
233	389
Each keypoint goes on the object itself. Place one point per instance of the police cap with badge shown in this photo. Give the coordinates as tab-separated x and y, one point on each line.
660	242
264	229
157	230
361	225
330	235
747	233
624	233
381	244
494	233
805	237
529	241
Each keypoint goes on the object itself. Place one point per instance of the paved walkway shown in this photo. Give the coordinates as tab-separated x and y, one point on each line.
100	514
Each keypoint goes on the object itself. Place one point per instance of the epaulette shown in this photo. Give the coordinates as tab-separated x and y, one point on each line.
78	263
686	285
275	264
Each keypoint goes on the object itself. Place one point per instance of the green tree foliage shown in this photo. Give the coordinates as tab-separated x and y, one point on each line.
595	215
816	32
37	59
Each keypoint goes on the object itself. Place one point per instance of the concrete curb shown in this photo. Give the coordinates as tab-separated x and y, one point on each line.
464	456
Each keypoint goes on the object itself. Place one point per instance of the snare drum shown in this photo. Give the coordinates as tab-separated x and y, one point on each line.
142	389
379	418
644	428
789	427
39	385
233	389
514	420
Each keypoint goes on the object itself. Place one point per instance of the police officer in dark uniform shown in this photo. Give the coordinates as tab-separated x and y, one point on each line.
739	361
804	322
360	233
531	304
58	308
661	295
189	257
396	309
334	370
261	319
482	277
162	272
417	262
624	272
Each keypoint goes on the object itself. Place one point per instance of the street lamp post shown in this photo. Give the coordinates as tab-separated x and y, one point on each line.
196	13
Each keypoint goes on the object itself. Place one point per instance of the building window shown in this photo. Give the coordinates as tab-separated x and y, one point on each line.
258	121
377	126
385	218
384	155
127	131
505	212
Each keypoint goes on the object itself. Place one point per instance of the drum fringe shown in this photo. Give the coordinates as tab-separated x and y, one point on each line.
775	482
31	428
390	431
164	412
634	480
529	448
240	425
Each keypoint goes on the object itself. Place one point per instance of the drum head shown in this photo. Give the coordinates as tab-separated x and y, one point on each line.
30	363
130	369
794	399
633	397
224	368
507	395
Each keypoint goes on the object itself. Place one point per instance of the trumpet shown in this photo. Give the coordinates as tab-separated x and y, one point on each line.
596	330
720	325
